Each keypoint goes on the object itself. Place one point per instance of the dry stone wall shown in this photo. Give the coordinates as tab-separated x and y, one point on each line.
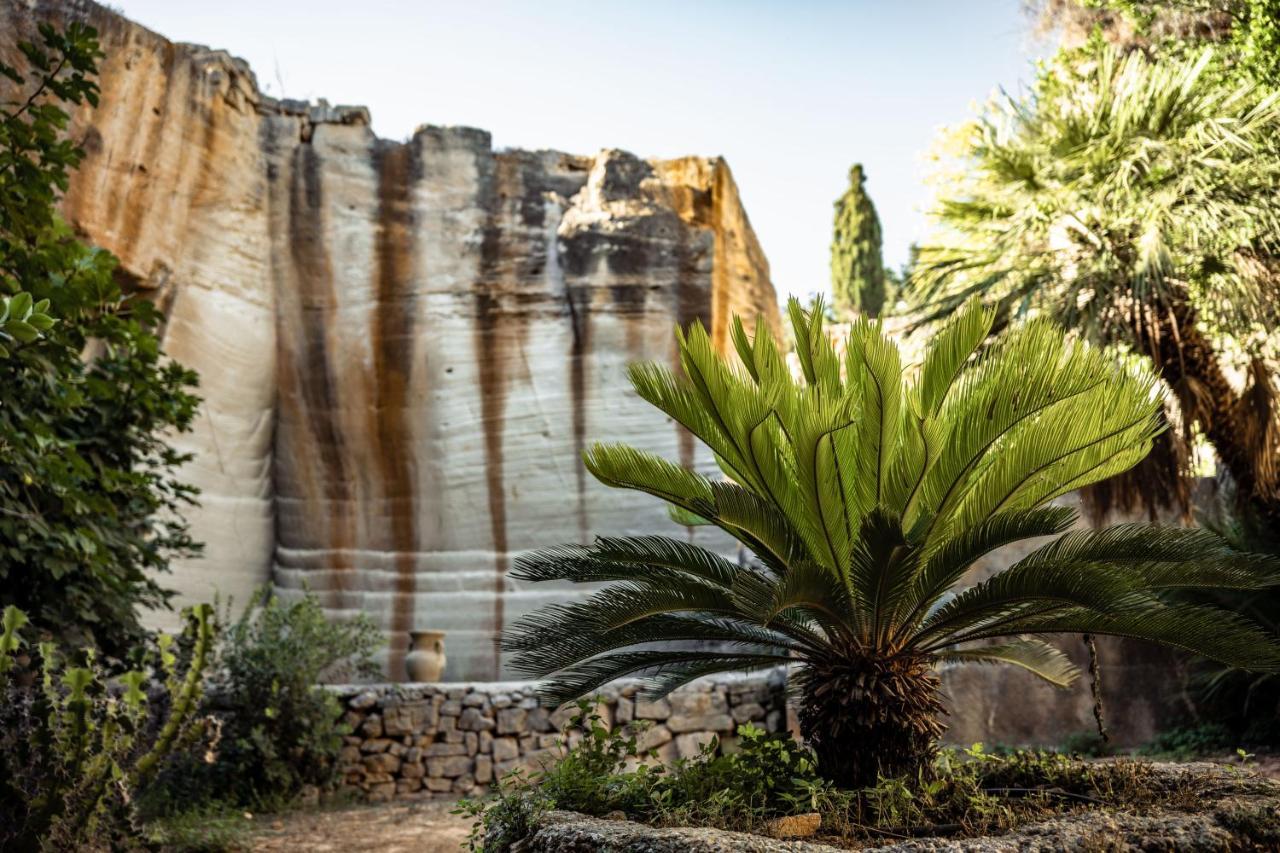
415	741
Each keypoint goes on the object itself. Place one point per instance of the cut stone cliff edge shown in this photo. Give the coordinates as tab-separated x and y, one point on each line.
403	347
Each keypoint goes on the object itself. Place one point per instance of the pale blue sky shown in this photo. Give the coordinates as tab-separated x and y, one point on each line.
791	93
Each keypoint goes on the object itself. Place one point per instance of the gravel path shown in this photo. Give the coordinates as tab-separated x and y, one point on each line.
425	827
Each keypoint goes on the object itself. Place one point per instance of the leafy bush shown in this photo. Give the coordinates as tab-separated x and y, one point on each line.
89	504
1087	743
76	749
769	776
1192	742
280	730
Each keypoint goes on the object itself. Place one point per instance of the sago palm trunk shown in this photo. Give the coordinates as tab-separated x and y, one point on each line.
869	718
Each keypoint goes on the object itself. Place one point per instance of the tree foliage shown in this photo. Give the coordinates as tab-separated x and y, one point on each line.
867	493
88	498
1247	30
858	278
1134	200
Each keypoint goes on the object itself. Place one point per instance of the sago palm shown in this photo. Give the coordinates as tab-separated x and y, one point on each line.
866	491
1133	199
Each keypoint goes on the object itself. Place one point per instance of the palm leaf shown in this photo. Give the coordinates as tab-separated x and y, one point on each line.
1029	653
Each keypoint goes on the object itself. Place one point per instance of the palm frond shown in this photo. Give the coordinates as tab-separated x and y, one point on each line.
1030	653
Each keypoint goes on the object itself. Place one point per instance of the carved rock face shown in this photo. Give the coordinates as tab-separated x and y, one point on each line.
403	347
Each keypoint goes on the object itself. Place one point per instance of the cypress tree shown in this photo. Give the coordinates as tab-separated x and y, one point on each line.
857	268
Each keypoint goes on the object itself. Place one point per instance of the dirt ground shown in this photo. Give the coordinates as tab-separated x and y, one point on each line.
425	827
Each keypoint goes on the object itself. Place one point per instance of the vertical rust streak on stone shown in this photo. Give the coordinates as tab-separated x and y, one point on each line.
392	343
691	307
720	282
580	325
135	209
314	272
493	403
500	330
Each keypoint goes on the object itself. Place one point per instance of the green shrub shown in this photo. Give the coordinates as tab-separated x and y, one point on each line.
769	776
280	730
76	749
1087	744
1191	742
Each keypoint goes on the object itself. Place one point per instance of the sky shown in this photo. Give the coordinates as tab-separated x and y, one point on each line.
790	93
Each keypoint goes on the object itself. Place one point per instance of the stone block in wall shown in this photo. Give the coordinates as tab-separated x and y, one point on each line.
440	750
532	763
747	713
697	703
689	745
474	720
560	716
624	711
449	767
381	793
539	719
439	784
411	718
377	744
512	721
505	749
412	770
372	726
382	762
683	723
484	769
652	738
363	701
656	710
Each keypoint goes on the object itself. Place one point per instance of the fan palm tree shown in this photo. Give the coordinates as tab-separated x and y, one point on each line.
866	494
1134	200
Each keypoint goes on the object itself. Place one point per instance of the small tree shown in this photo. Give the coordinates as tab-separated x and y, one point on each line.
858	278
88	500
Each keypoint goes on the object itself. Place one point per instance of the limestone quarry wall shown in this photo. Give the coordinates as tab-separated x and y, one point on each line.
403	346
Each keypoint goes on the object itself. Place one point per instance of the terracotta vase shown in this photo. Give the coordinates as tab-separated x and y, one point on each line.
425	660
